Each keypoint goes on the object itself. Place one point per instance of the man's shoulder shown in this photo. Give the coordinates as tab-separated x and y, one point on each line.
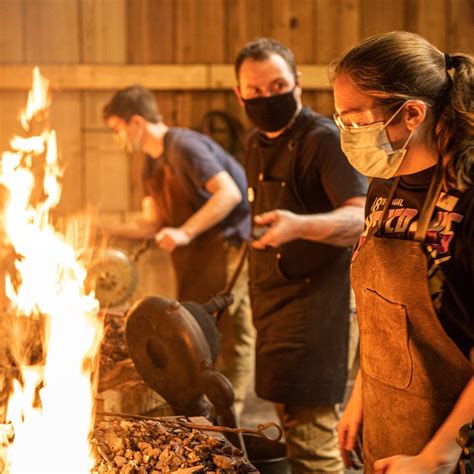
318	125
183	137
195	143
186	145
320	138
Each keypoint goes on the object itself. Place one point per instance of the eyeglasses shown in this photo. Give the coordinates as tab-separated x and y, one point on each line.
359	119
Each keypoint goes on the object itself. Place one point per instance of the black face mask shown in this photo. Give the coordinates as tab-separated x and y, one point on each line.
270	114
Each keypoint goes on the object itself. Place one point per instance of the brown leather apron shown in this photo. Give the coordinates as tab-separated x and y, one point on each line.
200	267
412	372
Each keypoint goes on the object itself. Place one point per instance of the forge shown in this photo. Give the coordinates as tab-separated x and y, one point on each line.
66	404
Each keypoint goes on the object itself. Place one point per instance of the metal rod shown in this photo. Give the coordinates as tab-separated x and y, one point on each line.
259	431
230	285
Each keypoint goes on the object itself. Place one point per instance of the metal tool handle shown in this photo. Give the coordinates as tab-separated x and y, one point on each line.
258	231
230	285
259	431
141	249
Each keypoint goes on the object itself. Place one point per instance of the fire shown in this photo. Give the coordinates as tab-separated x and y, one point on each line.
54	331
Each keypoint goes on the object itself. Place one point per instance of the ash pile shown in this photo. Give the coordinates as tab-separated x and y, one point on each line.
126	446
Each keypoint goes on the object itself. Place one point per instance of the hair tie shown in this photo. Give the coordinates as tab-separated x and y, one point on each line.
449	61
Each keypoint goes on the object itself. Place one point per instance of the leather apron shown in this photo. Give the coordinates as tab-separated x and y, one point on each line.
300	310
200	266
412	372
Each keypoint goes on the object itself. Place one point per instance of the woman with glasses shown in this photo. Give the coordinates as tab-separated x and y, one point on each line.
405	111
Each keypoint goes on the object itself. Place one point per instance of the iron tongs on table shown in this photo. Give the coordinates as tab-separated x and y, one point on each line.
259	431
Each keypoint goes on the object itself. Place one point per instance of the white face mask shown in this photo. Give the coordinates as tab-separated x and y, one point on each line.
122	140
369	150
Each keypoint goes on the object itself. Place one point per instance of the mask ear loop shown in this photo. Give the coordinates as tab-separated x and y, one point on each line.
411	133
396	113
408	140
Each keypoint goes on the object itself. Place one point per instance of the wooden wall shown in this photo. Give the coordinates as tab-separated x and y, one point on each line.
142	32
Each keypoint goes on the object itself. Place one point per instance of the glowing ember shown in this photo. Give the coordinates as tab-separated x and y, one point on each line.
53	330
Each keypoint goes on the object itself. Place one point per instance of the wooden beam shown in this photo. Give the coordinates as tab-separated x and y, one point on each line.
314	77
86	77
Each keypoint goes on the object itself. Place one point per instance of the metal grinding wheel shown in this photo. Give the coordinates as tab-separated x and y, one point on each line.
111	273
112	276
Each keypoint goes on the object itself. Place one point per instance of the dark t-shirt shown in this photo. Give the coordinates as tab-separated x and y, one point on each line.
449	246
324	179
194	159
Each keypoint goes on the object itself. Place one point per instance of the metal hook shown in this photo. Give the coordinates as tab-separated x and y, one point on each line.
259	431
265	426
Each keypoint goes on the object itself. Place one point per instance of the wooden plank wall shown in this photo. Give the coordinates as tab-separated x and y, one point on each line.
118	32
185	32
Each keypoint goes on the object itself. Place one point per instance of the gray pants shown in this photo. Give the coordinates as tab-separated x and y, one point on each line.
311	438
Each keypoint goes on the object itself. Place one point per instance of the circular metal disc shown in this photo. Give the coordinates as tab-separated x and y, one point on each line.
168	349
112	276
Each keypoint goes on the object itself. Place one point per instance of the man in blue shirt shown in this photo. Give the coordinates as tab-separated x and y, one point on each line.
196	207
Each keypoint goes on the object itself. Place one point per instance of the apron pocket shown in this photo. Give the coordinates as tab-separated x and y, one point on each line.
264	269
384	349
281	313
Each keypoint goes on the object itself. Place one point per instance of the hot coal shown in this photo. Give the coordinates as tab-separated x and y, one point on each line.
125	446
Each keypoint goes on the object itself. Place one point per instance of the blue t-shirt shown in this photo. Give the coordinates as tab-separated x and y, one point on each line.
195	158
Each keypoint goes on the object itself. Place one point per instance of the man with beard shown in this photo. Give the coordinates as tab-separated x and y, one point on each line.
303	188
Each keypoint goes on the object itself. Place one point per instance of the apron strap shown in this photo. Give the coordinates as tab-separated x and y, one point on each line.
377	228
294	147
430	202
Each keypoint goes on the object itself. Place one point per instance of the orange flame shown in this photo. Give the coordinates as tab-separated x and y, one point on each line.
38	99
50	411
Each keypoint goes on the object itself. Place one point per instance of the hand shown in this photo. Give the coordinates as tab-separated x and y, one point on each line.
284	226
401	464
169	238
349	424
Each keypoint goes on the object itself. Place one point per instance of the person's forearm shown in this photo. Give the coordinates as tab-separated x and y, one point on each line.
135	231
443	448
341	227
357	387
219	205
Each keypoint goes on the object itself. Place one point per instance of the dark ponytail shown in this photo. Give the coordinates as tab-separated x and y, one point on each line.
455	126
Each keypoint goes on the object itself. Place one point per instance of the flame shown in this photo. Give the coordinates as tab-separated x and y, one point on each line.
38	99
50	410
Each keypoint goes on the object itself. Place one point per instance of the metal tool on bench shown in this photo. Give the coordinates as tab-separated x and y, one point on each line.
263	431
112	273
